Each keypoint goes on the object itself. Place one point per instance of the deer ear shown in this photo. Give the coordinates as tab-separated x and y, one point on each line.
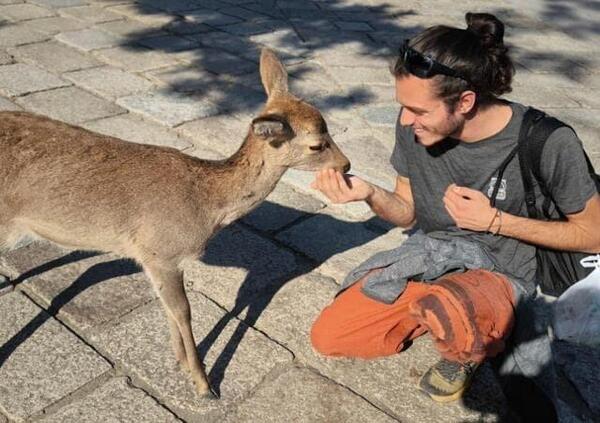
272	73
269	127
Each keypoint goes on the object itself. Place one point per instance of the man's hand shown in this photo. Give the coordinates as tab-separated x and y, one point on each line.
342	188
469	208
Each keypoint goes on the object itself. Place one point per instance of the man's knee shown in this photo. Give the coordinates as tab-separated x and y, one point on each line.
322	334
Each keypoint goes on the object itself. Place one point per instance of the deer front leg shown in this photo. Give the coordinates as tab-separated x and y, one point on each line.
167	280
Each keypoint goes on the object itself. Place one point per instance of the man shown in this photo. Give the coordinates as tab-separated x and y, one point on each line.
452	135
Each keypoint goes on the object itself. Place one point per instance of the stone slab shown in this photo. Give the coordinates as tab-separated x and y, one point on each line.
217	61
54	25
339	246
6	58
14	35
241	263
223	133
86	290
131	29
144	13
284	40
21	12
542	97
281	208
170	109
353	26
54	4
115	401
239	46
356	75
93	14
6	104
109	82
19	79
303	396
89	39
131	128
55	57
42	361
71	105
134	60
167	43
210	17
234	356
184	27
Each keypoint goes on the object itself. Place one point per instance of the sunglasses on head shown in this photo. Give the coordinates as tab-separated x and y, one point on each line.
424	66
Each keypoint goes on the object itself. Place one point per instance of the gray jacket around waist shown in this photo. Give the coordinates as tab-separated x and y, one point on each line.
423	257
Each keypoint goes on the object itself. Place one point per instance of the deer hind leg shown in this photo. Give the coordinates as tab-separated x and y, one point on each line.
167	280
8	239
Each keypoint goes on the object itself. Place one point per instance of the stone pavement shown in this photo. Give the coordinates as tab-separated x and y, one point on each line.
83	337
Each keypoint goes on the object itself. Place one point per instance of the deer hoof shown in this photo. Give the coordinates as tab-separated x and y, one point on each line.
209	393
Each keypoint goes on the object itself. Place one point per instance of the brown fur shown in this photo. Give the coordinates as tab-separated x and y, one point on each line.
154	204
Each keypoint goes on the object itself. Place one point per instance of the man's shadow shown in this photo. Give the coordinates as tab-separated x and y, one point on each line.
254	295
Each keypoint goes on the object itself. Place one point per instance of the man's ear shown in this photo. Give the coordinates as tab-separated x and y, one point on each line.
467	101
272	128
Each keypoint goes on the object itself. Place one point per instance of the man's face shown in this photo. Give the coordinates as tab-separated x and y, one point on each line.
427	114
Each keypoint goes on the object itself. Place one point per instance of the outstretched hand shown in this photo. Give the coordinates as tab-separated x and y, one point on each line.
341	188
469	208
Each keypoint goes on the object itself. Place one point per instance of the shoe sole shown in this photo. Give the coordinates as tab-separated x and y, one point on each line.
446	398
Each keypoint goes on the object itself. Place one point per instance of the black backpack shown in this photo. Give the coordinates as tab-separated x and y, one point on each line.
556	270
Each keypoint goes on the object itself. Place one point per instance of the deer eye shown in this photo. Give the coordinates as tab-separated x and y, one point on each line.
317	147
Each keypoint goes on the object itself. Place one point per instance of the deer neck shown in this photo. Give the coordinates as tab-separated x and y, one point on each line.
246	179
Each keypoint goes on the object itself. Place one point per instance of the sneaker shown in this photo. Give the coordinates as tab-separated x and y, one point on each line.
447	380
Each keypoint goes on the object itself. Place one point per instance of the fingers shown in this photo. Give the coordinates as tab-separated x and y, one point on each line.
331	183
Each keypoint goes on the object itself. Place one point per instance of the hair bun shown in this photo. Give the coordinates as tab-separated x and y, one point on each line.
487	27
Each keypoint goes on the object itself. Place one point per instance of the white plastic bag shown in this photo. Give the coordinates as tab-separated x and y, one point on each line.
577	311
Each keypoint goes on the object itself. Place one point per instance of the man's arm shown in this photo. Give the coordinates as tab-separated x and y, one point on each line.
471	210
396	207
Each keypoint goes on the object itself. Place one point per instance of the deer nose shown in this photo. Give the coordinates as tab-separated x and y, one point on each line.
346	167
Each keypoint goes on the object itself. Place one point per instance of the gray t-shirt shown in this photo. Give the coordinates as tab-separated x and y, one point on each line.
475	165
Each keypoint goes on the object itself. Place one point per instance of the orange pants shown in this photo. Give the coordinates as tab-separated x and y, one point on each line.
469	315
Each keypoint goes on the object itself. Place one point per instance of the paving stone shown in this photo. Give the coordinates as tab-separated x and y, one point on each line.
93	14
223	133
234	356
355	75
143	13
381	115
284	40
542	97
131	29
42	361
89	39
281	208
85	290
71	105
340	246
14	35
251	263
59	3
230	43
6	104
173	5
109	82
54	56
216	61
52	26
354	26
131	128
183	78
137	60
170	109
210	17
19	79
6	58
168	43
115	401
21	12
559	80
185	27
203	153
304	396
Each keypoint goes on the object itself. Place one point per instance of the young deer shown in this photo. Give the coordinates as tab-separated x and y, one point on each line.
155	205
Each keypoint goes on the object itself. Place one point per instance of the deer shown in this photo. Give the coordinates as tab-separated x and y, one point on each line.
155	205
